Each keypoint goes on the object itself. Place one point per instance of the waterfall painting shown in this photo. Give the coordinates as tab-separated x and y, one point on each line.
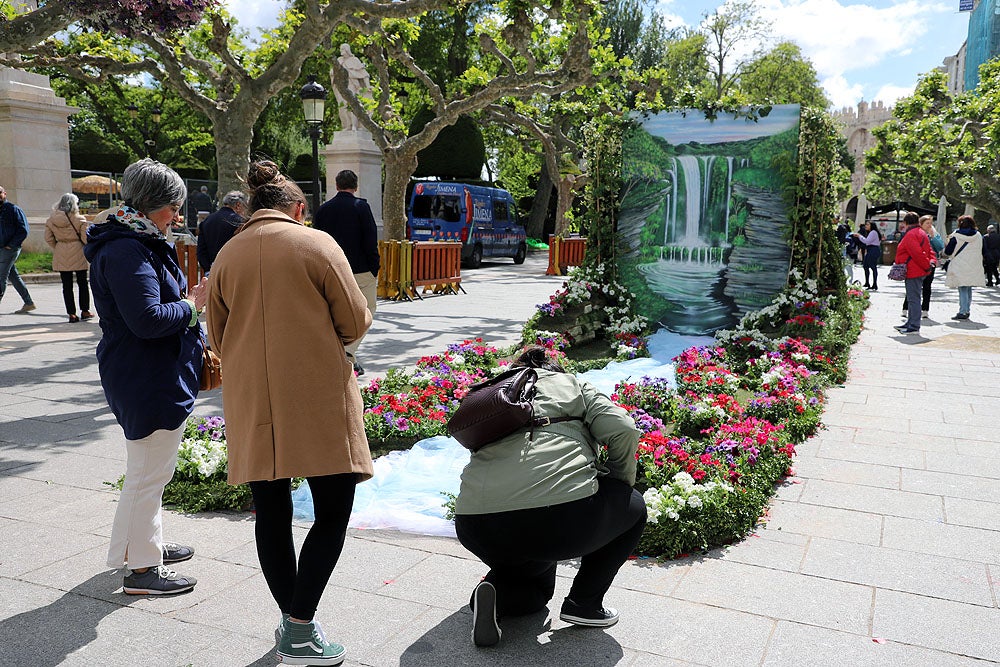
703	219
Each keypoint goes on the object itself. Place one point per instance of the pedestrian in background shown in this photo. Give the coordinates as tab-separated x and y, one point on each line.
282	305
871	239
199	201
965	266
149	359
219	227
991	256
915	251
13	230
349	220
937	245
66	234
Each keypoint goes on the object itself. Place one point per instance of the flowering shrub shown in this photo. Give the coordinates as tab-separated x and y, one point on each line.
404	408
623	328
202	453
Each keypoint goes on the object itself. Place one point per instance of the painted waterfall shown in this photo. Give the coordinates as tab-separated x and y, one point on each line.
702	216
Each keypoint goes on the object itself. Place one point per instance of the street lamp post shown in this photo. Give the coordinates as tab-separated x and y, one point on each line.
147	131
313	101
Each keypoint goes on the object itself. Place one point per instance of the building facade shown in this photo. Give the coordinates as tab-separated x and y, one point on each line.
983	42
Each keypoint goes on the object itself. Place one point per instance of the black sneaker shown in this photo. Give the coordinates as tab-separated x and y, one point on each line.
604	617
358	369
157	580
175	553
485	629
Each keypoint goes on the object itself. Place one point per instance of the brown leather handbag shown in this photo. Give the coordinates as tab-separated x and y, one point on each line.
211	368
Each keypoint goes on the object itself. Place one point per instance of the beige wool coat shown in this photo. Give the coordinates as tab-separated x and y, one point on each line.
282	304
67	238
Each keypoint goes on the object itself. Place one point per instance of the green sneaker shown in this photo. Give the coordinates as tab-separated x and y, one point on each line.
280	630
305	644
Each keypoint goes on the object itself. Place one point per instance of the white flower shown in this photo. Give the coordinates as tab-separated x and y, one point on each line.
458	360
694	501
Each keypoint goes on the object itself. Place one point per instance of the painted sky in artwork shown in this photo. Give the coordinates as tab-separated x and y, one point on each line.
677	128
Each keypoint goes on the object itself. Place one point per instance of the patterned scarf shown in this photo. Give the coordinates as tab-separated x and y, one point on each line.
135	221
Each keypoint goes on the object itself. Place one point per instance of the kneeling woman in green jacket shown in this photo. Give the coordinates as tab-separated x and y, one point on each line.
530	500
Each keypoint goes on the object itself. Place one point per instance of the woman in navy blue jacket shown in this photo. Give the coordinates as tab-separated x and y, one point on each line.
149	360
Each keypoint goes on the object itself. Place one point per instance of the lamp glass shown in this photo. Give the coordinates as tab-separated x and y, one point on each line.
312	108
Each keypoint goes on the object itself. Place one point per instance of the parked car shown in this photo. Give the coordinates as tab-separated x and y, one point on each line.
484	219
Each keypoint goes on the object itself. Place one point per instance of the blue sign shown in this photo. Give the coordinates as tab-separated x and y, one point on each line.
965	5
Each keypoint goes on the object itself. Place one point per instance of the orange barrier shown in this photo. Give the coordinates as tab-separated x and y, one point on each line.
187	257
564	253
437	265
406	265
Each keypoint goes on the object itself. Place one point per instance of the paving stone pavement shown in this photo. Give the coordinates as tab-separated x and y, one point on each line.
883	549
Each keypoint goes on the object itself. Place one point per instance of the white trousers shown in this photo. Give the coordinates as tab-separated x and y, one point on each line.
138	527
369	287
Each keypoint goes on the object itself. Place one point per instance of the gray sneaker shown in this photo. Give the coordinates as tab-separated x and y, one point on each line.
157	580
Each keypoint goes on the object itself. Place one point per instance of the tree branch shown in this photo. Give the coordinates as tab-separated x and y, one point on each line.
26	30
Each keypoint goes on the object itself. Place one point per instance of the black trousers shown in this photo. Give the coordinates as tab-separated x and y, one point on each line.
925	294
67	283
522	547
298	586
992	269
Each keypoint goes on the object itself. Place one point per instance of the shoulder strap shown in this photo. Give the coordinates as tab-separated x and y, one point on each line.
70	218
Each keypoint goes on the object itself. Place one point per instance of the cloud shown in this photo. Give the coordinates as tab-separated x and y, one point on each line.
670	19
839	38
841	93
255	13
889	93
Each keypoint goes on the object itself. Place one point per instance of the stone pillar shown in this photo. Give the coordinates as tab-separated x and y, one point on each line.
34	147
355	150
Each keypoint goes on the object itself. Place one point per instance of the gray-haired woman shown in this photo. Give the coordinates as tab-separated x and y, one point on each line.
66	233
149	361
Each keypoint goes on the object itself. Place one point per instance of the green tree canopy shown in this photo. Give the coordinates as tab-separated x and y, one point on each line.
783	75
936	145
458	151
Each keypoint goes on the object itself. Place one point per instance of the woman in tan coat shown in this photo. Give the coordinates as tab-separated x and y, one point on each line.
66	232
282	305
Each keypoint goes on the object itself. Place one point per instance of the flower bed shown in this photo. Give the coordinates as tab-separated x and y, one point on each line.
712	449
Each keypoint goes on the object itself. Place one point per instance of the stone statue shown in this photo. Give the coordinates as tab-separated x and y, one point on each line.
358	83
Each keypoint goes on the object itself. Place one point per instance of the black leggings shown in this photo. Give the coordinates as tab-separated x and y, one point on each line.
67	283
297	587
522	547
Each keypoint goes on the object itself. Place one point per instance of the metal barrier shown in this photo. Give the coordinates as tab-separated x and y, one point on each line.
406	265
564	253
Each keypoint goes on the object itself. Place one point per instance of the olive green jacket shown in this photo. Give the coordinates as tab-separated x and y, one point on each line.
560	464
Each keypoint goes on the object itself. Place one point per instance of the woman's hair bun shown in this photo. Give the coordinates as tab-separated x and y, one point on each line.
263	172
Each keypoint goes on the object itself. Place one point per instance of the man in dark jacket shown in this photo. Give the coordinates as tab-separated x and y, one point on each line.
991	256
13	231
198	201
219	227
349	220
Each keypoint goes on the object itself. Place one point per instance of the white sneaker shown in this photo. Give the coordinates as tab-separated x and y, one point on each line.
925	314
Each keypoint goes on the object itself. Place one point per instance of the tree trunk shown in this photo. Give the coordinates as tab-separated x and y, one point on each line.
566	193
540	206
233	135
399	165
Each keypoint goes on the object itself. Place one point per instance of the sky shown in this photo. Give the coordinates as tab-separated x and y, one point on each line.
678	128
861	49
